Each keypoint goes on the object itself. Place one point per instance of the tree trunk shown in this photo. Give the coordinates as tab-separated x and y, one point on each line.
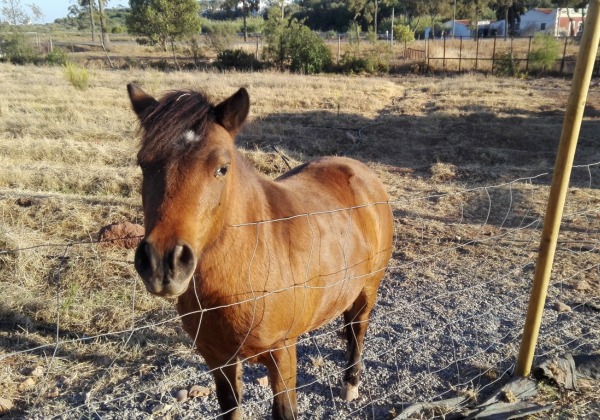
104	35
245	14
375	20
476	22
91	5
174	55
506	26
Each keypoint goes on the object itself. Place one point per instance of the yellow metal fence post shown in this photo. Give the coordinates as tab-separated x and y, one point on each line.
560	184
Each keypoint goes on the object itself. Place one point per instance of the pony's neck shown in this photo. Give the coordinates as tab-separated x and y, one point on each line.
247	195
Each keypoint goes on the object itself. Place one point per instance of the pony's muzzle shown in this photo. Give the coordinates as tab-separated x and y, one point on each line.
168	273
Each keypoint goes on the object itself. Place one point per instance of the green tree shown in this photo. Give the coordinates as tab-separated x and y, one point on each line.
163	21
363	9
292	44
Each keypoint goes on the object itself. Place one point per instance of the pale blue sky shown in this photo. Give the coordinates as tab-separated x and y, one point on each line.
54	9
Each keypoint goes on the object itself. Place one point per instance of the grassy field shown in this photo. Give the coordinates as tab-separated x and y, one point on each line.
444	146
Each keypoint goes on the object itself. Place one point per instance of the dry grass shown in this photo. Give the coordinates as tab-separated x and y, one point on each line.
67	168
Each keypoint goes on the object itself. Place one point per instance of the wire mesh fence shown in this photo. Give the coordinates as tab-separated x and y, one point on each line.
498	55
448	318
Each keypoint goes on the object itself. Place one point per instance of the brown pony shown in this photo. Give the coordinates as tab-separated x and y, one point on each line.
255	262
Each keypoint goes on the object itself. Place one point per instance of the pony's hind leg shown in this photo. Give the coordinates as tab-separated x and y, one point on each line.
356	320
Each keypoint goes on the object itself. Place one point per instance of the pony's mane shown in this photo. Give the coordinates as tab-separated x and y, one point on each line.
178	121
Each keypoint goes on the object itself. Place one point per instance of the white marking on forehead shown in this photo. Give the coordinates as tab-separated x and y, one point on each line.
190	137
182	95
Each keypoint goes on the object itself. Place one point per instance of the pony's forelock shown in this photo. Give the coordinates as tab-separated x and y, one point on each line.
178	123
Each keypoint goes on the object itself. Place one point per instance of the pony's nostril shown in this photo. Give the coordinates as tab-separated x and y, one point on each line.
186	256
143	258
183	259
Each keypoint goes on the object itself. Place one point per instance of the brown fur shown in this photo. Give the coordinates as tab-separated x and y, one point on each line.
248	283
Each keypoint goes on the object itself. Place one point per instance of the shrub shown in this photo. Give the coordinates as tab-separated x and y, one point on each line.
57	57
403	33
353	34
144	41
195	50
220	38
331	35
17	49
118	29
162	65
308	52
253	25
546	50
76	75
295	46
505	64
356	65
238	60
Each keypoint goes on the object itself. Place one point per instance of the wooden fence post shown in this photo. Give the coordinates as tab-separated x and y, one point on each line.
528	53
476	52
460	54
560	184
562	62
494	56
444	55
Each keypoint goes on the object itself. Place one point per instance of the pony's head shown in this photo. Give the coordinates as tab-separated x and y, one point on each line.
187	161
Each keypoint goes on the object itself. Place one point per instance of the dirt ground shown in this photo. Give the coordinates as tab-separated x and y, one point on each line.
467	161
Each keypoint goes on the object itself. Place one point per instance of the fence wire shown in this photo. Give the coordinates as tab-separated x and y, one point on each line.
447	322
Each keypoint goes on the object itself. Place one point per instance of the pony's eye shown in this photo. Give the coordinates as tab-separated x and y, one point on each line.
221	171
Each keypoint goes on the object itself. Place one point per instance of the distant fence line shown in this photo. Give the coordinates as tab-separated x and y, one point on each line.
485	54
492	55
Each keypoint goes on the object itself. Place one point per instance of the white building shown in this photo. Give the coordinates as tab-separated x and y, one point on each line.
556	22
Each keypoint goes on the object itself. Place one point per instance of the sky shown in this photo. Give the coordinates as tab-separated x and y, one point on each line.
54	9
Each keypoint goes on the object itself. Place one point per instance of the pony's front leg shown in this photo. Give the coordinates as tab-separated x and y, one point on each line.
228	380
281	364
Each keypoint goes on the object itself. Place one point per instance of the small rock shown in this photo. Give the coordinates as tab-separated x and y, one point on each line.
181	395
5	405
161	408
198	391
25	202
63	381
37	372
263	381
561	307
27	384
583	286
510	396
54	392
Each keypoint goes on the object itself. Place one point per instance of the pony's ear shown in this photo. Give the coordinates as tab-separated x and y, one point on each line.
142	103
232	112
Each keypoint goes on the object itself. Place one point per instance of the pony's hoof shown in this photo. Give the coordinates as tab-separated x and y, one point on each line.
349	392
